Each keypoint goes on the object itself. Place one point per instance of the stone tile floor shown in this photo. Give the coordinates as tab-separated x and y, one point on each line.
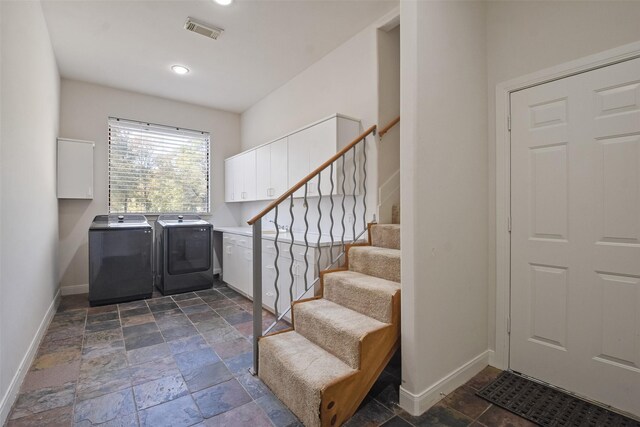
183	360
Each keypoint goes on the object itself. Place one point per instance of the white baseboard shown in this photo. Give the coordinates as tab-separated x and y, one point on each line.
217	270
493	361
74	289
417	404
14	387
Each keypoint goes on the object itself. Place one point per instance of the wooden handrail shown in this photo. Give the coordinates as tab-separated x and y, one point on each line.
309	177
391	124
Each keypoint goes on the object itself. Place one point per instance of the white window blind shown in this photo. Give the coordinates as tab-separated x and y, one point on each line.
157	169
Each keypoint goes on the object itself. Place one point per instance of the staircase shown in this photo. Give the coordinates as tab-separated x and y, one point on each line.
341	340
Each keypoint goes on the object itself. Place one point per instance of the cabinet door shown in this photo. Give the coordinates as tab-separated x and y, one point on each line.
229	268
229	180
298	160
75	169
246	271
248	175
263	172
308	149
347	131
278	168
268	278
322	145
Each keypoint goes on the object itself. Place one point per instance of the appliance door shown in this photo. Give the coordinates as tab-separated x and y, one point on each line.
120	264
189	249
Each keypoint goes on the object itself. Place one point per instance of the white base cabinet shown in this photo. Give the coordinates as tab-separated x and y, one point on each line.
237	269
237	261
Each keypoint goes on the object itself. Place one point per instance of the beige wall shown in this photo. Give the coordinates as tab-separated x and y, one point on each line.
84	109
443	158
527	36
344	81
29	210
389	101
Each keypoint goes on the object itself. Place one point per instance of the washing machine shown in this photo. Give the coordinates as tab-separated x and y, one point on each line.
120	259
183	254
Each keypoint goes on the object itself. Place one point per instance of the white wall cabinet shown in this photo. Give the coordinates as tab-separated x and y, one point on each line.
75	169
271	170
240	177
280	164
311	147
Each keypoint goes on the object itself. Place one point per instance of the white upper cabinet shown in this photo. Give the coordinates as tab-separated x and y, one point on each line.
308	149
230	165
279	183
268	171
240	177
75	169
271	169
247	175
313	146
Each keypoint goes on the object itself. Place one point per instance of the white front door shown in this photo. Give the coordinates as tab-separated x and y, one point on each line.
575	242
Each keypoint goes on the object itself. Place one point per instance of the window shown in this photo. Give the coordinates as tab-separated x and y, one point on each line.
157	169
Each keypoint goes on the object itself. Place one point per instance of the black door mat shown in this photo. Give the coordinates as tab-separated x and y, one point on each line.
547	406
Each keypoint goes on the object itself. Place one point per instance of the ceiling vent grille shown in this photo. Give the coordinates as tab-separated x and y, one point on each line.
202	29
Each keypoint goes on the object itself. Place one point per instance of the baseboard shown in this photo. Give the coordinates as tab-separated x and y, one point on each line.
14	387
217	270
75	289
493	361
417	404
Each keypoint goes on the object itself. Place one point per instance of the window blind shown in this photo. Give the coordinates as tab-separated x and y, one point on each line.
157	169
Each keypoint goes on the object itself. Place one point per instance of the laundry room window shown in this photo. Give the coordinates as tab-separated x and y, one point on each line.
157	169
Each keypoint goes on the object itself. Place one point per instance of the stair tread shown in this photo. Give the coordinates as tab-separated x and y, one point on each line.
375	261
392	253
334	327
304	359
297	371
364	280
385	236
389	226
339	317
365	294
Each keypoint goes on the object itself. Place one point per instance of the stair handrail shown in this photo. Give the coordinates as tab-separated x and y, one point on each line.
311	175
388	127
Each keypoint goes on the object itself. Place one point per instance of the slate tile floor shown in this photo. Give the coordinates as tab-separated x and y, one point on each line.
182	360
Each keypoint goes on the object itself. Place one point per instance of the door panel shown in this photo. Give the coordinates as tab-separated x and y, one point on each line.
575	262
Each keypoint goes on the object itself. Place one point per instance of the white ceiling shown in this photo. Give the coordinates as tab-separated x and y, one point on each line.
132	44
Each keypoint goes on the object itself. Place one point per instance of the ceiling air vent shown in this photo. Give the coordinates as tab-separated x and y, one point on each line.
202	29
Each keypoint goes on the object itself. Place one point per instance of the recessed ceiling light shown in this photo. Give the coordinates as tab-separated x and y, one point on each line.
224	2
179	69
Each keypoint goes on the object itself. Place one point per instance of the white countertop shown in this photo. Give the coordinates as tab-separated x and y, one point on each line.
285	237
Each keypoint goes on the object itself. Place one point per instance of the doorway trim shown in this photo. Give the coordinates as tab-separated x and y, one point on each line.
500	357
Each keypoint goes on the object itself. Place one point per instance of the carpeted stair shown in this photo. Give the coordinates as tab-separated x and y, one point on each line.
341	341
